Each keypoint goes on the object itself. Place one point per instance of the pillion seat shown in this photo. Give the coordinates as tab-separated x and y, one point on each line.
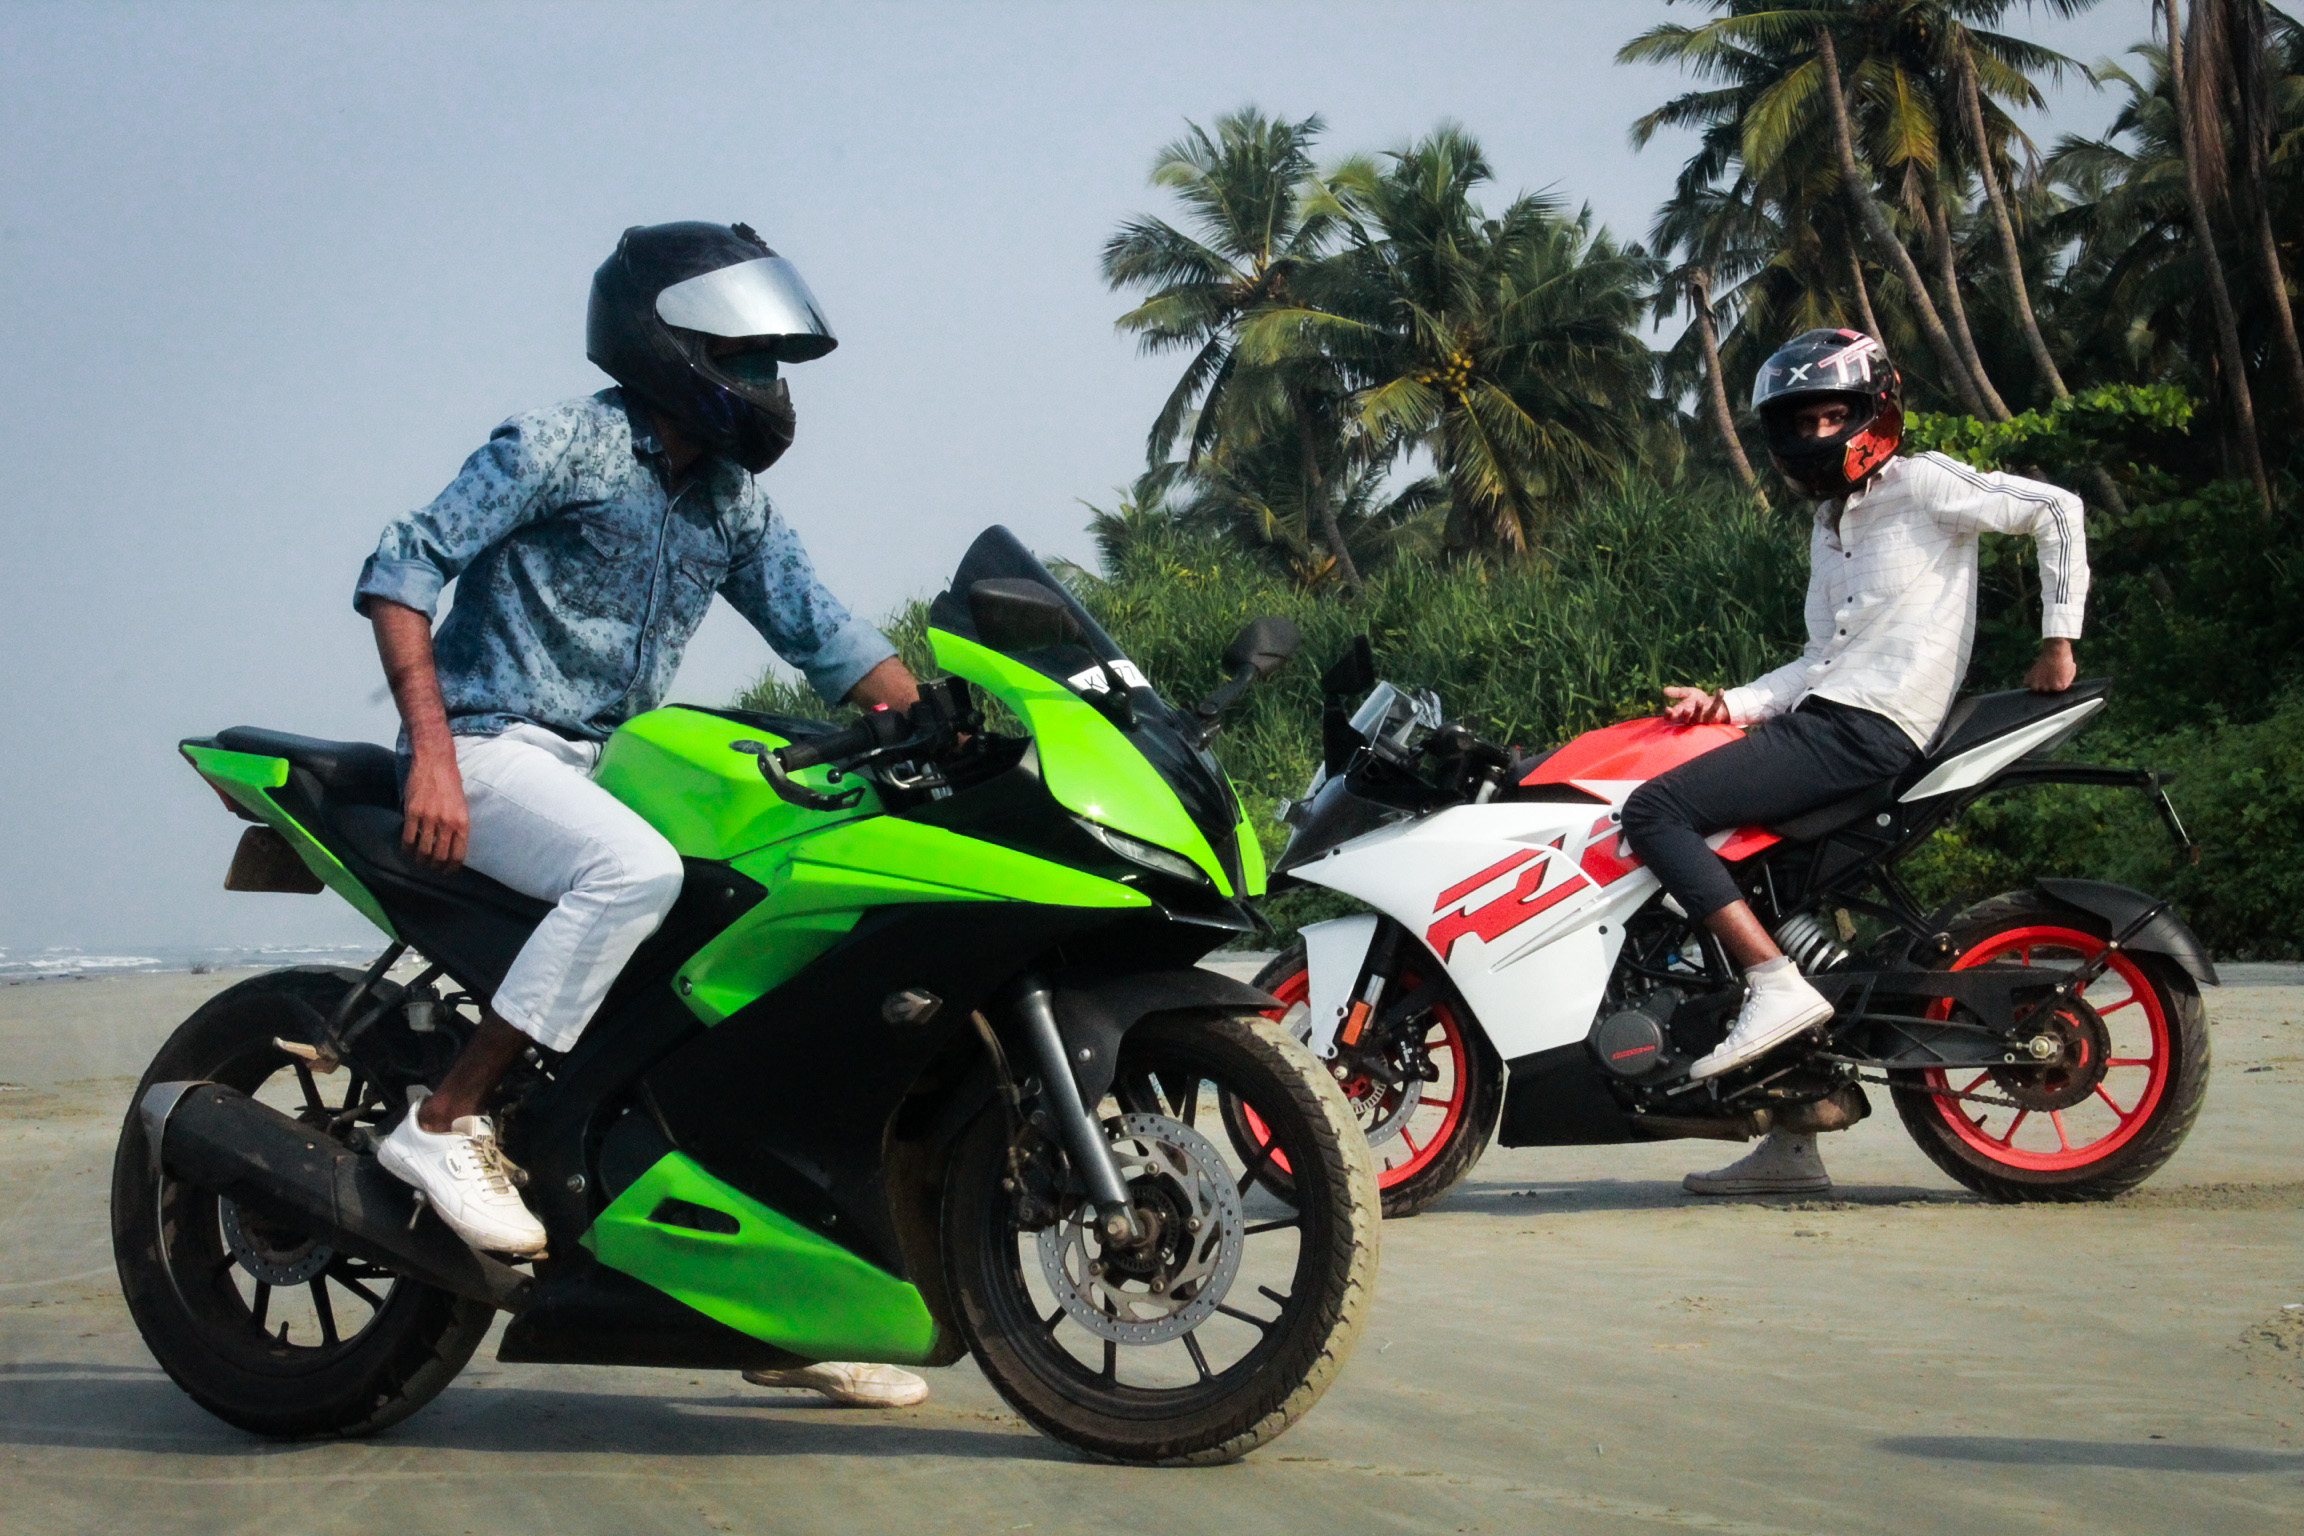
1975	720
347	794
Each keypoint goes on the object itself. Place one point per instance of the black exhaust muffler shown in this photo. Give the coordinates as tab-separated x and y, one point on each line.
220	1139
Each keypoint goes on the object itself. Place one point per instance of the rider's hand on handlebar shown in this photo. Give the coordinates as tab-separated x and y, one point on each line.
1696	706
436	823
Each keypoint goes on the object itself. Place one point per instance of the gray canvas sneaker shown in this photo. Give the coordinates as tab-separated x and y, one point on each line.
1784	1163
849	1384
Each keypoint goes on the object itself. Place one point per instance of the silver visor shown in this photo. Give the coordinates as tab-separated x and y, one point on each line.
762	297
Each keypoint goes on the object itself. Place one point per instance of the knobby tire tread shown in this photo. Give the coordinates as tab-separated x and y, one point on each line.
1347	1276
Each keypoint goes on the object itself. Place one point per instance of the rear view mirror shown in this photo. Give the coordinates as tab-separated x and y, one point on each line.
1353	672
1013	614
1263	646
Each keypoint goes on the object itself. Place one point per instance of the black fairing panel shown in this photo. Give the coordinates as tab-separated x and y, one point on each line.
588	1314
790	1098
1557	1098
1333	818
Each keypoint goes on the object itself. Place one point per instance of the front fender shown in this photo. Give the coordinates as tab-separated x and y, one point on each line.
1092	1017
1335	953
2163	933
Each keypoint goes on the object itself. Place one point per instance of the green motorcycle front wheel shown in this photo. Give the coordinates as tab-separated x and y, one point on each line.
1225	1322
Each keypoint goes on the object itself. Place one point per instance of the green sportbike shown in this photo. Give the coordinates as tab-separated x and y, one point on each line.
919	1065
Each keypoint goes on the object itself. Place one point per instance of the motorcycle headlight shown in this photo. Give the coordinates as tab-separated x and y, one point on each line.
1150	855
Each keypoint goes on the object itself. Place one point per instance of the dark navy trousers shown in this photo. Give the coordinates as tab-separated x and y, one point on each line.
1799	762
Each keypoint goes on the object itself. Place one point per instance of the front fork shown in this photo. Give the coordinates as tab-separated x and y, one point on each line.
1082	1137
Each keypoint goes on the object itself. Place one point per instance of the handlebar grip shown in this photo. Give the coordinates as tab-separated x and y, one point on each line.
882	727
825	749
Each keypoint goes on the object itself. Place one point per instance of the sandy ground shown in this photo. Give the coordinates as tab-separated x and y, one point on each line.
1566	1344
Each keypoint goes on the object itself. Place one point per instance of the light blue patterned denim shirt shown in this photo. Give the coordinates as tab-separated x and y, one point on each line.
581	574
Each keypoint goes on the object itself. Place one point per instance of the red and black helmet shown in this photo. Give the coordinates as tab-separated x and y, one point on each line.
1827	364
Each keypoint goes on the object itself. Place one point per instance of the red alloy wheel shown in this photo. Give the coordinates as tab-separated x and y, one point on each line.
2135	1073
1430	1126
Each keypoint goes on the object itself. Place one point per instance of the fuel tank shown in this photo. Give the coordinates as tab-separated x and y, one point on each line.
679	767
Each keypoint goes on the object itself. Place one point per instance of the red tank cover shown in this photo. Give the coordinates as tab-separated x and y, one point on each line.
1640	750
1633	751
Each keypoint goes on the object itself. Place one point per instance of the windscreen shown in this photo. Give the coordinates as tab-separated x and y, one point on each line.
1168	738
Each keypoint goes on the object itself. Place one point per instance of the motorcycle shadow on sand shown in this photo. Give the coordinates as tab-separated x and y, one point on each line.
1554	1197
2128	1456
127	1408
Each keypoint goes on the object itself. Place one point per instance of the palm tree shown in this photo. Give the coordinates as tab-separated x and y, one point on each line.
1503	346
1715	233
2191	133
1246	188
1987	147
2228	90
1889	109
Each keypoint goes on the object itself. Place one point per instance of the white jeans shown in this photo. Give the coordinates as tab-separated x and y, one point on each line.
541	826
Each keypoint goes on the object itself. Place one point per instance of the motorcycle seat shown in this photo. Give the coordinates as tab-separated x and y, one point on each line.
1978	717
357	771
347	793
1809	826
1975	718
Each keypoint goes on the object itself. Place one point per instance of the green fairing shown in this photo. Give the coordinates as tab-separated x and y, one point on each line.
1087	764
818	888
680	770
248	778
1251	858
772	1278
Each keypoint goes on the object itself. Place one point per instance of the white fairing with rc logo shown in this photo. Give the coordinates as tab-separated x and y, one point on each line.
1522	903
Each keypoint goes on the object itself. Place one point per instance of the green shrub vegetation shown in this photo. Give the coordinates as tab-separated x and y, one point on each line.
1654	584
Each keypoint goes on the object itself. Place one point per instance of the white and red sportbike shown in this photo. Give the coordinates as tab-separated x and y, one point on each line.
1522	971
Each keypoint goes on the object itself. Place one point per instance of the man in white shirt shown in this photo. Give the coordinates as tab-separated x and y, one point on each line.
1891	614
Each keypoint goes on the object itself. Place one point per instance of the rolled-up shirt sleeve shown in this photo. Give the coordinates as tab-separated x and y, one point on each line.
1969	500
773	585
506	482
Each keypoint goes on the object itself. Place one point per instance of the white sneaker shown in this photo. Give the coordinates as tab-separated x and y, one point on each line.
850	1384
1784	1163
1778	1005
462	1172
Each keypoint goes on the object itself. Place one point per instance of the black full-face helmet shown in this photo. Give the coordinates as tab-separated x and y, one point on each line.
1828	364
670	291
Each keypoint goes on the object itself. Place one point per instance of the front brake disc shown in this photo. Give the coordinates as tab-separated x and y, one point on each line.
1169	1285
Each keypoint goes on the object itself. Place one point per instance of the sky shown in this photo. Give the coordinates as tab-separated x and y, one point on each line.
269	272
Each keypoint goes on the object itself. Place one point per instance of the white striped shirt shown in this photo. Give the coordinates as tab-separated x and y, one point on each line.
1892	595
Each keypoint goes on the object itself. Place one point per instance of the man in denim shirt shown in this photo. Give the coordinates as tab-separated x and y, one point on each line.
587	540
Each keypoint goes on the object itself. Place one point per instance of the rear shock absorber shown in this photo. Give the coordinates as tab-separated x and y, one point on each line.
1812	946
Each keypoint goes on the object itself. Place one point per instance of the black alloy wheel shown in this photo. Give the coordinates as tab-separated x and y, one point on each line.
1223	1328
264	1325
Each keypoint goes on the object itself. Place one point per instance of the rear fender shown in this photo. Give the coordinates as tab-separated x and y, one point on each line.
2162	933
1335	952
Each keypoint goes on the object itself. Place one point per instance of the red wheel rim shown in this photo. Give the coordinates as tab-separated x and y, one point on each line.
2054	1141
1431	1126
